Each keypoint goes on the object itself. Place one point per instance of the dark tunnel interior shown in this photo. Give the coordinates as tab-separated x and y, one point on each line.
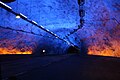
59	39
73	50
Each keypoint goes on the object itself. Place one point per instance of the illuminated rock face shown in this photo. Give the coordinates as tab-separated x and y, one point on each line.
59	16
102	27
12	42
99	36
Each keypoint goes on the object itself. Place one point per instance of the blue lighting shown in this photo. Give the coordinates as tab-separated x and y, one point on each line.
52	17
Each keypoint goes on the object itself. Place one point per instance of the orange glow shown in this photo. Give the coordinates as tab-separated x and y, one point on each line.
104	43
16	42
104	50
4	51
113	51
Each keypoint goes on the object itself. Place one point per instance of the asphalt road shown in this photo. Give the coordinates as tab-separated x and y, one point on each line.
77	68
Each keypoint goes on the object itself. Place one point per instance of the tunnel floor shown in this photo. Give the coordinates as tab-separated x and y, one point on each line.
66	67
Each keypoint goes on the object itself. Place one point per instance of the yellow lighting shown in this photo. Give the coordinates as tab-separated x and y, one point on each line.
96	50
4	51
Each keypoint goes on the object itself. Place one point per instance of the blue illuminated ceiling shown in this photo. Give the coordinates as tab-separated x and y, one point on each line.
56	16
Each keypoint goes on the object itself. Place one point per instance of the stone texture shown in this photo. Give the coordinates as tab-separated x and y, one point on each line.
55	15
102	27
99	36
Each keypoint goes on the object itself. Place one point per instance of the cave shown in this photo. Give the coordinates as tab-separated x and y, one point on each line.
40	34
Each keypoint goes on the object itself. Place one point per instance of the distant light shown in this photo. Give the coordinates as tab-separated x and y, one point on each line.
42	26
72	45
47	29
17	16
67	41
43	51
23	16
34	22
51	32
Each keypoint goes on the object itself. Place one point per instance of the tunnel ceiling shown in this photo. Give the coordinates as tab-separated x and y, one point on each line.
99	35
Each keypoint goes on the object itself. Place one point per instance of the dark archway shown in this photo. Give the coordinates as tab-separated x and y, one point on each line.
72	50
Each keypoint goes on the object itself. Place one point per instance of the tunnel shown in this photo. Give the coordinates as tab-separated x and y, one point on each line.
27	26
39	39
72	50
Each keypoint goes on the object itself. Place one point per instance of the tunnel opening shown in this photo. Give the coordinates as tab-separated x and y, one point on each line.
73	50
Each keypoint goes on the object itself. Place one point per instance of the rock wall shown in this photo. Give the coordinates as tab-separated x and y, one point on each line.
59	16
101	32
